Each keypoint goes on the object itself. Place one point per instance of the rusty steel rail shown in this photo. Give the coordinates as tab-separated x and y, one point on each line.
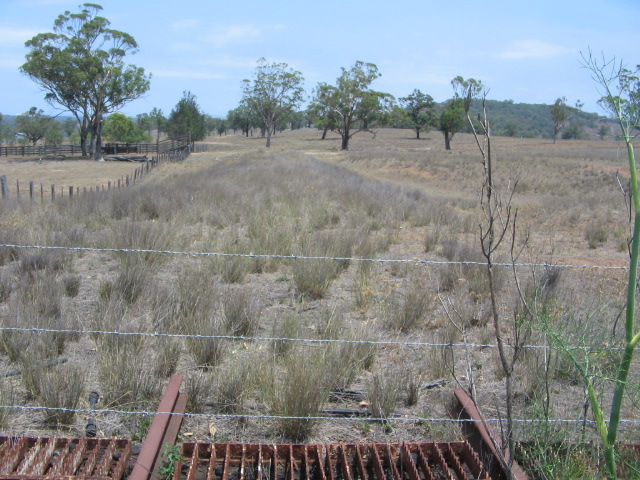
369	461
28	458
484	439
164	429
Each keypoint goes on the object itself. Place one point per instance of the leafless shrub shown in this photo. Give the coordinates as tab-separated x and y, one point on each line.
241	311
60	387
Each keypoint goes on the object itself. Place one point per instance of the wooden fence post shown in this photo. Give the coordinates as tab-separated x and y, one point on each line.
18	189
70	192
31	191
41	193
53	192
4	187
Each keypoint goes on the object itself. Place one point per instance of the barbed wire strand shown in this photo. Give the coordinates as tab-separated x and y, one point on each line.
303	340
306	257
285	417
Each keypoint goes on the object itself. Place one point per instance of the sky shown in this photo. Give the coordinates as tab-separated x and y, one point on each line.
528	52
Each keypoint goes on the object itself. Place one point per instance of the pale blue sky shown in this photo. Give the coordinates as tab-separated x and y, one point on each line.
524	51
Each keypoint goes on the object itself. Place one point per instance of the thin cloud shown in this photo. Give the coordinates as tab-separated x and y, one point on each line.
187	74
183	24
223	36
532	49
16	36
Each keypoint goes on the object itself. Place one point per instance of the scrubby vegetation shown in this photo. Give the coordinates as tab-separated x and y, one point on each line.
313	272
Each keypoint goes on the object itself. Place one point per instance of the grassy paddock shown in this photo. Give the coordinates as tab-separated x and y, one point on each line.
391	197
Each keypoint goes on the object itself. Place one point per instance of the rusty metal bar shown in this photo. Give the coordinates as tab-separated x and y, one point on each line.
152	445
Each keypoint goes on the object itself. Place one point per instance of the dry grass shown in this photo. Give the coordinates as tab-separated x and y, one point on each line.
389	198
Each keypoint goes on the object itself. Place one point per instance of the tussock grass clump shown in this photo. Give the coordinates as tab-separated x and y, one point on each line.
124	377
198	387
61	387
235	382
241	311
7	399
71	284
383	393
6	286
300	391
168	352
285	327
407	310
346	360
596	235
234	267
363	288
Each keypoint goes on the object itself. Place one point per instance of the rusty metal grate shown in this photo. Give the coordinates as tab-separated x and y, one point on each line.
55	457
390	461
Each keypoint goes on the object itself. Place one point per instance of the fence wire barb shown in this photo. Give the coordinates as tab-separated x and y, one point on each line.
303	340
284	417
416	261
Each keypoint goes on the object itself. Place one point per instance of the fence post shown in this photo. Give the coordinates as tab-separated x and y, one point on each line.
4	187
109	185
53	192
18	189
41	193
31	191
127	181
70	192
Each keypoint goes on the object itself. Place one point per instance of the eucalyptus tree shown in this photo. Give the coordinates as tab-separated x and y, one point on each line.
451	118
559	114
351	105
80	66
273	94
34	124
421	110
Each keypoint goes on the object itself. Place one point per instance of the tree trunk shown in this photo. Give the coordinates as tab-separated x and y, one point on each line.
97	152
447	141
324	133
417	133
268	132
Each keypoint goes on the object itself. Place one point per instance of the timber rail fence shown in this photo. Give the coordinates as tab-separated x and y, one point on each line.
170	151
163	147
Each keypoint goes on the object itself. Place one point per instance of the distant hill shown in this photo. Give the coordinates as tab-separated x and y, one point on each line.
534	120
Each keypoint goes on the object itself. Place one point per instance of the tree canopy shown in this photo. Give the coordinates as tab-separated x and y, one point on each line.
351	105
187	119
81	67
120	128
559	114
273	94
421	110
34	124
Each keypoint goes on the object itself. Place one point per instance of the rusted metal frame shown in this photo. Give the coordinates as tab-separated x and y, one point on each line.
483	437
408	464
423	461
454	462
472	459
152	445
440	461
13	455
125	454
360	463
107	459
377	462
34	448
71	460
38	464
172	431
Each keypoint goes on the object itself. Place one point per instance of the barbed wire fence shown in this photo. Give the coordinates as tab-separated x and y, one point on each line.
392	343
